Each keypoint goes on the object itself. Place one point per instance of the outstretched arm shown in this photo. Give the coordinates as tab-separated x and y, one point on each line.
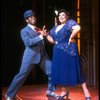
50	39
44	33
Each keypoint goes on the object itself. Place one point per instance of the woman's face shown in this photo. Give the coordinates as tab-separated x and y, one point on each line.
62	17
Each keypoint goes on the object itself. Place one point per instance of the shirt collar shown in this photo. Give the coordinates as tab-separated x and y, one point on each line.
33	27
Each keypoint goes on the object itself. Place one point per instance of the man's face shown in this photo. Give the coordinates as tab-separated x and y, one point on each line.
31	20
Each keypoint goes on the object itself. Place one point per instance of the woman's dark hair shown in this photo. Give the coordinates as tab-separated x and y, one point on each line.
63	10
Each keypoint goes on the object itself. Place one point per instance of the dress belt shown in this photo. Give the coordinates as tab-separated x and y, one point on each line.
56	42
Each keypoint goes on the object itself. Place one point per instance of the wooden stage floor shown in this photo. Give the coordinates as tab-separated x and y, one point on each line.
37	92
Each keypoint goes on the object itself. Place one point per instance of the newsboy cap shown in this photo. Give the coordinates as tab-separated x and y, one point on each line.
28	13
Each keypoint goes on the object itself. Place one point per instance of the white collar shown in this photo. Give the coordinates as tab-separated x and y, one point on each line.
33	27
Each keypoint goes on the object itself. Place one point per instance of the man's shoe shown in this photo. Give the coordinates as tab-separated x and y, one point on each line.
8	98
51	94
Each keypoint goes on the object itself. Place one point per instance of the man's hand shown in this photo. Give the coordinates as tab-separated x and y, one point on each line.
43	32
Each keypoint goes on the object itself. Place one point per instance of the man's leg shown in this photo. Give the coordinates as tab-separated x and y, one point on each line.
46	66
18	80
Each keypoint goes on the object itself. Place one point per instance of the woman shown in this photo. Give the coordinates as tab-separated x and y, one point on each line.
66	69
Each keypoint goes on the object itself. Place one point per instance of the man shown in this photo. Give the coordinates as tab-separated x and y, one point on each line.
34	54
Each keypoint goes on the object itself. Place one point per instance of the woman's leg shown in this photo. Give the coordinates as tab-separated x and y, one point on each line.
64	90
85	89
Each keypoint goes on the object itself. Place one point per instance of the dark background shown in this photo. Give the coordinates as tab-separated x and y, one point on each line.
12	22
12	47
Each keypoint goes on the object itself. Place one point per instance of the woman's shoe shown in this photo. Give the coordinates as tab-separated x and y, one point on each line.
65	95
88	98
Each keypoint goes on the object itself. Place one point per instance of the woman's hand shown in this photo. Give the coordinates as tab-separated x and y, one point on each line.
75	30
71	40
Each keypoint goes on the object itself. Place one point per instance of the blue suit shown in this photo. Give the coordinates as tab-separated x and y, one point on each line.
34	53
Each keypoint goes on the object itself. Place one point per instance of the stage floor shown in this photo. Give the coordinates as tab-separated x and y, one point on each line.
37	92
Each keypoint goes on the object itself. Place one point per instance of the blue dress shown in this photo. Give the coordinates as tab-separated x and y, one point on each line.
66	69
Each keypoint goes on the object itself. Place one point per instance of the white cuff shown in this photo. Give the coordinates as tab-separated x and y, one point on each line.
41	37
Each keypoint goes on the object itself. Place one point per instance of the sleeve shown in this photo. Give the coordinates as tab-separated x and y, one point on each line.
28	41
71	23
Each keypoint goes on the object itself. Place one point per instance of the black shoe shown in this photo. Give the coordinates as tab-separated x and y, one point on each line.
88	98
65	95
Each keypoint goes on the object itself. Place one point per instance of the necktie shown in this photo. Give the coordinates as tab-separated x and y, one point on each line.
37	29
